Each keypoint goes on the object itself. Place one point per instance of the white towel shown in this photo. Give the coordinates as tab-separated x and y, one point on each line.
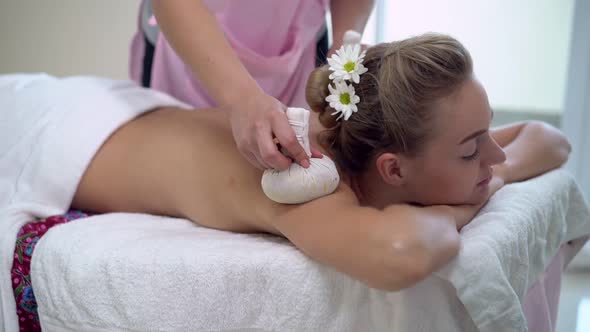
134	272
50	129
509	244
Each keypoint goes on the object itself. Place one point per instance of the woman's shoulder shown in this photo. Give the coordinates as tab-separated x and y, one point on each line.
345	194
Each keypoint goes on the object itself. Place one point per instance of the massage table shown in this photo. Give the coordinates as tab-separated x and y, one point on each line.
134	272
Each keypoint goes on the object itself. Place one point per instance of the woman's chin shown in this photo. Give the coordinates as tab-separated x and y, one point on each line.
479	197
473	199
443	201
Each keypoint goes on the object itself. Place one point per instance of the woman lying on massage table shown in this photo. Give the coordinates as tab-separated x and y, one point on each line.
417	162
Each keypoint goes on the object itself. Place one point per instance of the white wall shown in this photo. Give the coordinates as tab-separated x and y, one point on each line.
520	48
67	37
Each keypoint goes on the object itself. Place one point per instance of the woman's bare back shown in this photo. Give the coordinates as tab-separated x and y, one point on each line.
133	171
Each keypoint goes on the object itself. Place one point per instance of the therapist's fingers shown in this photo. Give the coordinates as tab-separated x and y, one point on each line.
269	152
288	140
315	152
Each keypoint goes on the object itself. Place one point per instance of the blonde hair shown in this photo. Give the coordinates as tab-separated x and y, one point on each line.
404	81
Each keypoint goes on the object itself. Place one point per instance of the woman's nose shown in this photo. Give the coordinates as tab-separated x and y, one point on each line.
495	154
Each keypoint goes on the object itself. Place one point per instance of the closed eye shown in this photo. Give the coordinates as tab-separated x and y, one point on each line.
472	156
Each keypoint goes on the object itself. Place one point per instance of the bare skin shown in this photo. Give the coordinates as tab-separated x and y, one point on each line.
185	164
390	249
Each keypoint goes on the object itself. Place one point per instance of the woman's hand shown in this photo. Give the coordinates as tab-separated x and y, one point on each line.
532	148
463	214
255	123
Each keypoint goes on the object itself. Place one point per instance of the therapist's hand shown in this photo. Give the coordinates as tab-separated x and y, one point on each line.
255	123
335	47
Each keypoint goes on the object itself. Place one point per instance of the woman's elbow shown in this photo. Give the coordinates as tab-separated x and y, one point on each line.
413	260
558	146
563	150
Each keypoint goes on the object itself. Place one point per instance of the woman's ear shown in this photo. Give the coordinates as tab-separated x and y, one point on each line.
389	166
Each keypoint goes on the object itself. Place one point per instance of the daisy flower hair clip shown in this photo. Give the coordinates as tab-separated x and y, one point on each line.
346	65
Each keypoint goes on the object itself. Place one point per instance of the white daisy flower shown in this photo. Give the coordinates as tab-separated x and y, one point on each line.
343	99
346	64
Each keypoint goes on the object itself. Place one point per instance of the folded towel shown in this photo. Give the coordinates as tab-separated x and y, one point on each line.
509	244
130	272
50	129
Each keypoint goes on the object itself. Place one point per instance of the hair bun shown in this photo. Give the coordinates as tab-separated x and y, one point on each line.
316	92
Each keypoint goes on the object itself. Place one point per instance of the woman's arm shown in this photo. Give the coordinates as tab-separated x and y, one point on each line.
531	148
390	249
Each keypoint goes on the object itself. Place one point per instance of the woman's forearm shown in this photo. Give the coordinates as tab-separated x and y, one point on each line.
427	238
536	148
197	38
390	249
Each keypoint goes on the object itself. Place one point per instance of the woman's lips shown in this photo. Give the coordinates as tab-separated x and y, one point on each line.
485	181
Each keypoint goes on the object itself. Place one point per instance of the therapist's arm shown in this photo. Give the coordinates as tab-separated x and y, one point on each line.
532	148
196	36
348	15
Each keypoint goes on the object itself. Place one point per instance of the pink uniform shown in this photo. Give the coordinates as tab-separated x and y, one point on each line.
275	41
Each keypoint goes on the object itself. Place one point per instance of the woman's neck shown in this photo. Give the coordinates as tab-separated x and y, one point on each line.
368	187
371	190
315	128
